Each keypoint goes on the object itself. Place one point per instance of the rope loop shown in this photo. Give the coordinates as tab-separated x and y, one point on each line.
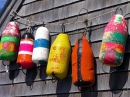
23	72
119	9
4	63
106	71
6	66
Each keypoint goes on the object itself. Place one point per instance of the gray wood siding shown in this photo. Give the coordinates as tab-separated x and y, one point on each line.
117	84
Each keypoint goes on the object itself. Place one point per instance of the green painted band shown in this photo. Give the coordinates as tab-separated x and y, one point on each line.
7	55
9	39
116	37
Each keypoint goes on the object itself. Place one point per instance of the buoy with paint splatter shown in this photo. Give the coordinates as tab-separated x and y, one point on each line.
59	57
114	41
9	42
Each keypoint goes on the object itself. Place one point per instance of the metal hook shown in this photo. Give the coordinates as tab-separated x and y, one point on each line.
6	66
78	16
119	9
31	87
86	19
63	28
84	34
54	78
43	24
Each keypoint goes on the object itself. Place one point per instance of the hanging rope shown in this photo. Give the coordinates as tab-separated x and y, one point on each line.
68	22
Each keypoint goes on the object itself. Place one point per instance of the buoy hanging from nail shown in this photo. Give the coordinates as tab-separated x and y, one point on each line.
83	74
114	41
59	57
10	42
41	46
25	51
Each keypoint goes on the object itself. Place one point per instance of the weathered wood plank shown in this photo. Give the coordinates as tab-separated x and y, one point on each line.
105	82
115	93
90	5
120	93
28	1
69	12
113	81
44	5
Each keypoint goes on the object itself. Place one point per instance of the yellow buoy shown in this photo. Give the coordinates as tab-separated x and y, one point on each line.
59	57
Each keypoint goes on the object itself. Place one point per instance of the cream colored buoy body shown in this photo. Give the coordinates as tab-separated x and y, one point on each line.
41	46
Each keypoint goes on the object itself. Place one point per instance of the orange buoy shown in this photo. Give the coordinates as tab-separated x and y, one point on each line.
25	51
83	74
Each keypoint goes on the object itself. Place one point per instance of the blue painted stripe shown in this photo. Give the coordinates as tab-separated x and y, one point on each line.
41	43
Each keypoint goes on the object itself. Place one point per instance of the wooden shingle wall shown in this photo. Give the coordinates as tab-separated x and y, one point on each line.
17	84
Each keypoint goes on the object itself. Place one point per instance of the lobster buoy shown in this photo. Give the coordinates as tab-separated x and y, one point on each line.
83	74
114	41
9	42
59	57
25	51
41	46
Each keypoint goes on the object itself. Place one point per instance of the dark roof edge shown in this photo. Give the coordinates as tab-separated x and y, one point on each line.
5	6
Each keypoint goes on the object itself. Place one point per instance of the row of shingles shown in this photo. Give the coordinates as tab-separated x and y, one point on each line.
29	1
69	11
43	6
58	3
106	82
35	75
73	27
124	93
106	85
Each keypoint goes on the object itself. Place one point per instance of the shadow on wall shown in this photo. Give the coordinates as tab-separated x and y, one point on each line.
43	74
13	70
90	92
64	86
31	76
118	79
